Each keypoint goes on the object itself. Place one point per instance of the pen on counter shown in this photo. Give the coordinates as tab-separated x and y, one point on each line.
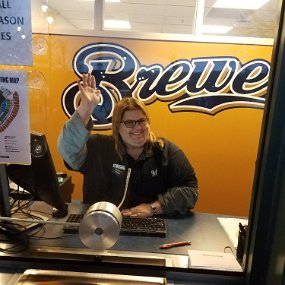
175	244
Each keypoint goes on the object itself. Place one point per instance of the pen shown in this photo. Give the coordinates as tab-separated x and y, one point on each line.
174	244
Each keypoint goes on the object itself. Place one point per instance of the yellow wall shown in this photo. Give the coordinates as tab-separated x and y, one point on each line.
222	148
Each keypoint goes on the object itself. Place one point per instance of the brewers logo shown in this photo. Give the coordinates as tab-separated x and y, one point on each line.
208	85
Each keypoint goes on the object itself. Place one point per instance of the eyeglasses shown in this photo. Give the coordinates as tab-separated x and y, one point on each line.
132	123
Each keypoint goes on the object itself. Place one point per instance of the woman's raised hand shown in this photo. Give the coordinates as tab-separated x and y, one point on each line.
90	97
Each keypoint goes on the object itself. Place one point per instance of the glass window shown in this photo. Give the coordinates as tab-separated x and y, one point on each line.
249	24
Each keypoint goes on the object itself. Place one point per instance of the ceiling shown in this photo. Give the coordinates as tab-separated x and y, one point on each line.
178	17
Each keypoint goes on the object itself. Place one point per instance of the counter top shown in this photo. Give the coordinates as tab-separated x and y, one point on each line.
51	248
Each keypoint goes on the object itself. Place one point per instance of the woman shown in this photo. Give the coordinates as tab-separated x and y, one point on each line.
142	174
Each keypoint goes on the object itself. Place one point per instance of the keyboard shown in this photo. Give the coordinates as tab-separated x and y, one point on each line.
152	226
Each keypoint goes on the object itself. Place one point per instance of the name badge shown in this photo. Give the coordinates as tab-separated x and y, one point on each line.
118	169
118	166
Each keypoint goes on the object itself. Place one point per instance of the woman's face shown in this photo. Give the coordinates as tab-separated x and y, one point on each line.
134	136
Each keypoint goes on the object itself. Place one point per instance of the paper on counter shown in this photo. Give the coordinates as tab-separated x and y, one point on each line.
213	260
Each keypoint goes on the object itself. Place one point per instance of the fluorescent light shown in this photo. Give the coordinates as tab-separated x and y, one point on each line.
50	19
215	29
240	4
117	24
44	8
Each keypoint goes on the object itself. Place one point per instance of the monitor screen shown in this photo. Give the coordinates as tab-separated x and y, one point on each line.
39	178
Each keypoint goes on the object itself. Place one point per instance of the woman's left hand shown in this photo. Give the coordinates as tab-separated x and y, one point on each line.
143	210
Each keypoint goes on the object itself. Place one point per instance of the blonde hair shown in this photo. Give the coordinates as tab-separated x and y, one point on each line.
127	104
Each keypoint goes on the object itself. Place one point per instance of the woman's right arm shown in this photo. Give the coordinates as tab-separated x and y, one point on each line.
90	97
72	141
75	133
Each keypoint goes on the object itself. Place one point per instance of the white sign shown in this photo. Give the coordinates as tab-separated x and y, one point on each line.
14	118
214	260
15	32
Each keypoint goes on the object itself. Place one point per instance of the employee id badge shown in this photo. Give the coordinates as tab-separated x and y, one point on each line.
118	169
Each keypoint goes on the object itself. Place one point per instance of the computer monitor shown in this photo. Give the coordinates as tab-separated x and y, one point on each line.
5	208
39	178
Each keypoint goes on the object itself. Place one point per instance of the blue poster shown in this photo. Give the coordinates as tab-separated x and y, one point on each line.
15	32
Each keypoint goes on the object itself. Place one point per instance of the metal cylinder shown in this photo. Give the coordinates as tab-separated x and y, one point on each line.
100	226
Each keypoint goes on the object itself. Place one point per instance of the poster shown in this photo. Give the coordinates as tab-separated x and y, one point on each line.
15	32
14	118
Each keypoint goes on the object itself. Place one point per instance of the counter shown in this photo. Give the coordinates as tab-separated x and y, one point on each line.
50	248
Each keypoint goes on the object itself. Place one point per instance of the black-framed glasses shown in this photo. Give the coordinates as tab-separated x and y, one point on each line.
132	123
